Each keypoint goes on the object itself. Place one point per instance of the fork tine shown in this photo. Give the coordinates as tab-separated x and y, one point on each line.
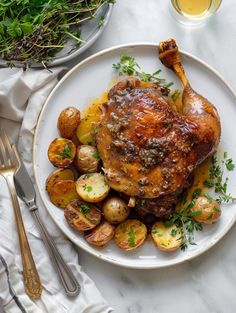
7	146
3	153
16	157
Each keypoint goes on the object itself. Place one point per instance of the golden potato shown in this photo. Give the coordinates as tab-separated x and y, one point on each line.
166	238
59	174
130	234
87	159
62	192
82	216
115	210
92	187
68	121
101	234
206	210
61	152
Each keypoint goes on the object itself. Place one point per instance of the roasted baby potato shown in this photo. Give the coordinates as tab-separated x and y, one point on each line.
62	192
61	152
101	234
82	216
130	234
68	121
115	210
87	159
92	187
59	174
166	238
206	210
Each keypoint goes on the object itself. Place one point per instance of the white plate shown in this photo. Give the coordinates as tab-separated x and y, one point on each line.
88	80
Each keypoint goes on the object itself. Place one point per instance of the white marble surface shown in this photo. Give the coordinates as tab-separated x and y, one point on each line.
208	283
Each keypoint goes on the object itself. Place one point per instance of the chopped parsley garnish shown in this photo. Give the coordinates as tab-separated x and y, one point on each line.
131	234
208	183
96	156
196	193
173	232
85	208
105	182
89	188
67	153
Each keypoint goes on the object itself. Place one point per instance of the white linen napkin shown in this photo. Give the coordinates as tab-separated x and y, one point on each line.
22	95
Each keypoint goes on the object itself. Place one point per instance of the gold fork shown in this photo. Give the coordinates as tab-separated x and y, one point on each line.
9	165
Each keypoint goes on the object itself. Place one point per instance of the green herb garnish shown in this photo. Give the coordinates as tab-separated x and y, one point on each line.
89	188
35	30
196	193
229	165
67	153
128	66
131	234
173	232
175	95
96	155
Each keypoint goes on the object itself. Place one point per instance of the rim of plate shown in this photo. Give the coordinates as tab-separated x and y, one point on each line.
62	59
95	253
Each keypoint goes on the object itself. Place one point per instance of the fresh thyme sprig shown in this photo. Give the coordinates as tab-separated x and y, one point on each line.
34	30
216	178
128	66
184	219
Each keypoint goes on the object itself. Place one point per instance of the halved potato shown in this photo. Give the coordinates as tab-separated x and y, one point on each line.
206	210
101	234
82	216
115	210
59	174
130	234
92	187
61	152
166	238
87	159
62	192
68	121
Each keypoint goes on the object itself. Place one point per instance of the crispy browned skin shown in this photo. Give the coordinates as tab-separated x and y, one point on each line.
148	149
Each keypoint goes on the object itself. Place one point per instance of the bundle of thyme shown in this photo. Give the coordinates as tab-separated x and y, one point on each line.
35	30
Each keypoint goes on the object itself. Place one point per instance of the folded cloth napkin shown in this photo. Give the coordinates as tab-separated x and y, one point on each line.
22	95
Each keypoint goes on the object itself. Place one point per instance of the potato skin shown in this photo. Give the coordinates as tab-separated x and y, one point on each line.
62	192
68	121
130	234
87	159
101	234
115	210
82	216
208	209
166	238
59	174
92	187
61	152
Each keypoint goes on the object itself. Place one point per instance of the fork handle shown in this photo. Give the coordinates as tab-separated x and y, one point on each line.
70	283
33	286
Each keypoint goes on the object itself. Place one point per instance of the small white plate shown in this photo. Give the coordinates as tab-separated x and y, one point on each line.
91	78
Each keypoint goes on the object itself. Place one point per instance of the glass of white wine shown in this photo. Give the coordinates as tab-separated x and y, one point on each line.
194	12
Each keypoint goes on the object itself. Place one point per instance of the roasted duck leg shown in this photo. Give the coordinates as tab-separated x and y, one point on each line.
195	106
149	150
